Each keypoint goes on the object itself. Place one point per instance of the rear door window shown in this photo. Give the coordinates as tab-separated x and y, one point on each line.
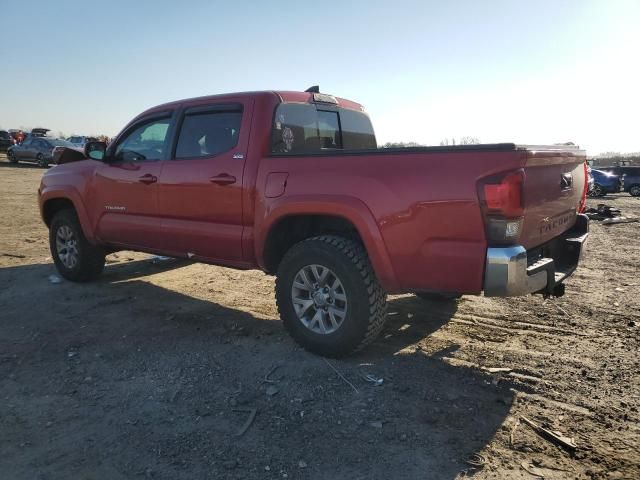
209	131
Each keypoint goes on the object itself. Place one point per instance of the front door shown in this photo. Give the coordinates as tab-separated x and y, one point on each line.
124	195
200	188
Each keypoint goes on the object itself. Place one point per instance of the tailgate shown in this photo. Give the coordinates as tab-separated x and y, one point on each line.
552	191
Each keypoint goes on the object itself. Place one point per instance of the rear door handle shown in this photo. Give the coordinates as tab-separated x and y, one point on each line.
223	179
148	179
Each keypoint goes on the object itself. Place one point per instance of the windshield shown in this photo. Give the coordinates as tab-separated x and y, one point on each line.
57	142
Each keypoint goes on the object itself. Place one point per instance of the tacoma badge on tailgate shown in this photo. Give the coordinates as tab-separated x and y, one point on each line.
549	224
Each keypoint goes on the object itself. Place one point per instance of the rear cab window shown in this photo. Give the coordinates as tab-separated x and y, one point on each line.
301	128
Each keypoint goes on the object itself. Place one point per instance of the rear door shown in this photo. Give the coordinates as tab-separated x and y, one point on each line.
200	188
124	197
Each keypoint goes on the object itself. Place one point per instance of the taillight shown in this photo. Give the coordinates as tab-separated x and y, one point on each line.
582	206
505	198
502	207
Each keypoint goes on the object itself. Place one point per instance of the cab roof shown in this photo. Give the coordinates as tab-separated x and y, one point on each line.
281	96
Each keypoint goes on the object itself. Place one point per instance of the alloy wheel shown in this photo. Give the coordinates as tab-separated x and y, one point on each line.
67	247
319	299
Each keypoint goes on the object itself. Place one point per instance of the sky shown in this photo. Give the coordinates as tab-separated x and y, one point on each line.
502	71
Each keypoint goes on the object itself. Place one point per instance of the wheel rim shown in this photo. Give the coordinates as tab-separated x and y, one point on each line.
319	299
67	247
597	191
635	191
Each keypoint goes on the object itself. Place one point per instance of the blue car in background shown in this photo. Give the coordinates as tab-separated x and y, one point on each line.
603	183
630	178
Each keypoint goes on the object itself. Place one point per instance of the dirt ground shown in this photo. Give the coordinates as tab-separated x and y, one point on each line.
152	371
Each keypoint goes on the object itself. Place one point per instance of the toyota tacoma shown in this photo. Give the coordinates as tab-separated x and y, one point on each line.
293	183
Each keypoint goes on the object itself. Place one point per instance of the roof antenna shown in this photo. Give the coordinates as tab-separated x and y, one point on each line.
314	89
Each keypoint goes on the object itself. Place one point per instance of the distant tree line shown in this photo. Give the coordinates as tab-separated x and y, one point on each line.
615	158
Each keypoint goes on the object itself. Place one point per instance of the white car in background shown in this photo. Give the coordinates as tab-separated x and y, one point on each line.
80	141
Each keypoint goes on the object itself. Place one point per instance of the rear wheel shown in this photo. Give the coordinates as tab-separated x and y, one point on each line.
41	161
75	258
634	190
328	296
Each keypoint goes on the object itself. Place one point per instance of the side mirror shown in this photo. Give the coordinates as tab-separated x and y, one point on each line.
95	150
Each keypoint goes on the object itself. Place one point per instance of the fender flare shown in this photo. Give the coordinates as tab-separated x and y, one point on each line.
68	192
349	208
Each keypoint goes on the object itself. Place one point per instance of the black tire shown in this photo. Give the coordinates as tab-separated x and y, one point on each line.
90	262
41	161
634	190
366	311
11	157
438	297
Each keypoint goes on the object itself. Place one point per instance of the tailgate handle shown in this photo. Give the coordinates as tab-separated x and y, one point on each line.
148	179
223	179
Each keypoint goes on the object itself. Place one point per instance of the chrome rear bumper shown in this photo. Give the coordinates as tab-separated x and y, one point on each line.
514	271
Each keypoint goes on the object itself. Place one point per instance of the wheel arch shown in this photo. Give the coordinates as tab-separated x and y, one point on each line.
52	202
294	219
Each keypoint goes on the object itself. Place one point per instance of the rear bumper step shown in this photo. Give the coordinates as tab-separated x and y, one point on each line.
514	271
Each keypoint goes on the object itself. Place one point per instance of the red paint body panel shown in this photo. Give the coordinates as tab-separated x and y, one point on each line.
417	211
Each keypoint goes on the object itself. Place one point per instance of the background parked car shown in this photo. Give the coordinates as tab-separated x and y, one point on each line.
5	140
36	149
80	141
39	132
604	183
630	178
16	135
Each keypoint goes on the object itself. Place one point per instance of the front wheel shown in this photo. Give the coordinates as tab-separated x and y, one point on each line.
12	157
634	190
596	191
328	296
75	258
41	161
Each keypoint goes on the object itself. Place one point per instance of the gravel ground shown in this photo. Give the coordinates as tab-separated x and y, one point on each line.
152	371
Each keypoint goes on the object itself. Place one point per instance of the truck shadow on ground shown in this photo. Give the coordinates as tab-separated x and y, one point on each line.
121	376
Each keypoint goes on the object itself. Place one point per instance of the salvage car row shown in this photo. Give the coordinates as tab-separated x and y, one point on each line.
614	179
37	147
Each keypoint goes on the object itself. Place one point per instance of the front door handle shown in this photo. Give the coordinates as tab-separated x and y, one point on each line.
148	179
223	179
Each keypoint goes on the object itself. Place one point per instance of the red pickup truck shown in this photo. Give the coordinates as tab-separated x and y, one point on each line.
293	183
